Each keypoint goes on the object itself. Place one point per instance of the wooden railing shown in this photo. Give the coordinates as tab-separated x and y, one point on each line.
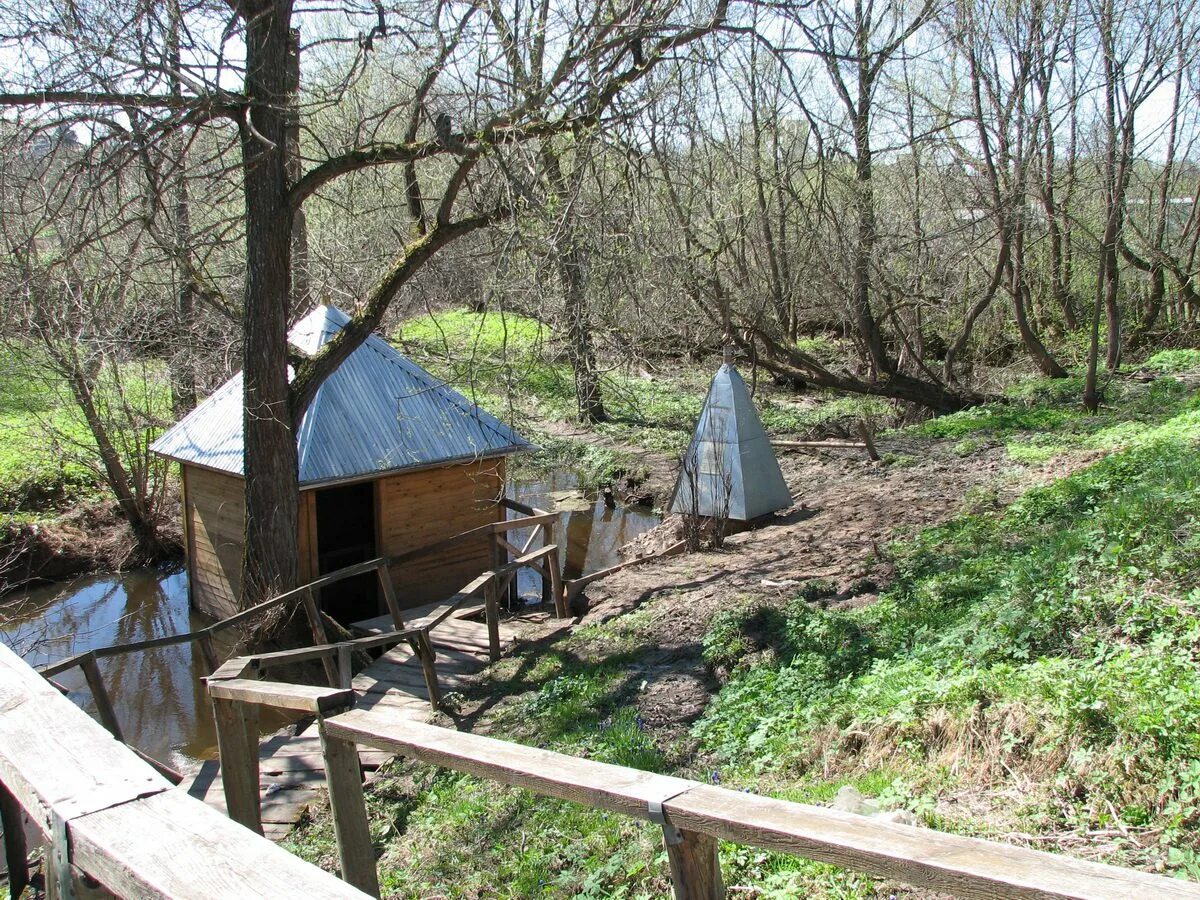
112	825
492	584
694	816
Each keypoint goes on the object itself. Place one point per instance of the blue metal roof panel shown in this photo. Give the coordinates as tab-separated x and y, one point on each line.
378	412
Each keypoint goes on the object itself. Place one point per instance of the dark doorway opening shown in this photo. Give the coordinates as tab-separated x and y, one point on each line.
345	536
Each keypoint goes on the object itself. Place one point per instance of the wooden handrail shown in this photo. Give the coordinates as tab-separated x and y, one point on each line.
108	816
694	815
303	698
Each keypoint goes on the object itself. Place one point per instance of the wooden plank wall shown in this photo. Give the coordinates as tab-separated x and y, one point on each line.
214	514
423	507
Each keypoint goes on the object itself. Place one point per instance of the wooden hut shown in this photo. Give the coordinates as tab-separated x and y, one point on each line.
391	459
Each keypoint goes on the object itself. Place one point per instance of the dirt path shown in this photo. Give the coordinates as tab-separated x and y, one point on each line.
847	510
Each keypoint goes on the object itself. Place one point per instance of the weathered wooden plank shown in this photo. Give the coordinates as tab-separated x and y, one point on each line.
171	846
282	695
55	756
966	867
239	760
313	615
16	853
610	787
104	707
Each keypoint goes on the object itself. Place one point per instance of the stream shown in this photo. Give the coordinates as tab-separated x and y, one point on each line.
158	695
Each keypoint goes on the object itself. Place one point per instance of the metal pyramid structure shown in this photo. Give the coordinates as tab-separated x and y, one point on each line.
730	468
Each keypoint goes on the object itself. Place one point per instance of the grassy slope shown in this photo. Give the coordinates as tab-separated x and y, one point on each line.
39	434
1031	671
48	459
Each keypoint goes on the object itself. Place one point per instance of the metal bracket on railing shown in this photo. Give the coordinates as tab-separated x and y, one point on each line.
671	834
60	855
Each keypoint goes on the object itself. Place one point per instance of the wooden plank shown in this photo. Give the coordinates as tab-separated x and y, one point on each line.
281	695
491	603
53	755
356	854
426	655
172	846
104	707
575	585
615	788
16	853
313	615
966	867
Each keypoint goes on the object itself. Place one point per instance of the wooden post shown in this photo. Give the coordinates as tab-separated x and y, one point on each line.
345	665
491	603
423	648
104	707
695	866
864	431
208	651
16	854
239	761
556	586
389	596
318	632
343	774
547	587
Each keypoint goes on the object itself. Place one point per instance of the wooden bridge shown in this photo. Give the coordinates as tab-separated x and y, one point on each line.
424	652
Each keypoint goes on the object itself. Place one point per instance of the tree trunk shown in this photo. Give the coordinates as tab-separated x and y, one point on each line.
270	560
580	347
182	364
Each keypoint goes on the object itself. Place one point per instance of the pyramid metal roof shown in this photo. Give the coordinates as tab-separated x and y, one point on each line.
378	412
730	455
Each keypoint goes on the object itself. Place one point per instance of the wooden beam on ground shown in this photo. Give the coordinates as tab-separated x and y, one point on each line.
575	585
820	445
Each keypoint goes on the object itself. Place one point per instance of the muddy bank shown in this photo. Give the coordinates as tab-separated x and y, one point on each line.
846	511
88	538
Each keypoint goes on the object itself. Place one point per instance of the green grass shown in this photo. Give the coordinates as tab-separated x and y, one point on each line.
1173	361
1054	643
48	457
41	439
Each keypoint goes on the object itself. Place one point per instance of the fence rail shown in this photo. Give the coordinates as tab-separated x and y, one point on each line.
694	816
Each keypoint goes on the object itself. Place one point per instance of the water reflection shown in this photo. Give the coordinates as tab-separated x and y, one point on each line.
157	694
589	533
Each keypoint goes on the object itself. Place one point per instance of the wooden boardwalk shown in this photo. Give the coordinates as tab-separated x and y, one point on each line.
292	768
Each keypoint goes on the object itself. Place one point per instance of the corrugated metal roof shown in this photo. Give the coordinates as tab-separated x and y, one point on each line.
378	412
731	457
